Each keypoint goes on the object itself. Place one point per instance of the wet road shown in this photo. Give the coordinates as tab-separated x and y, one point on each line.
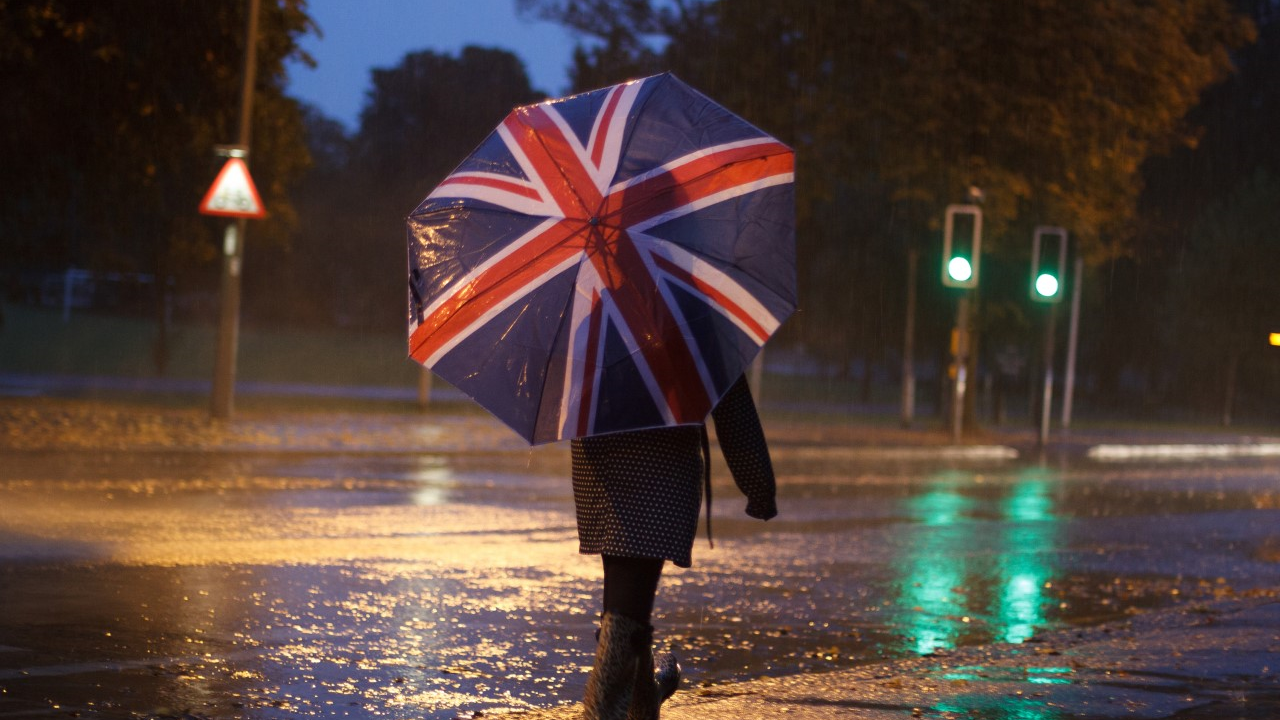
283	585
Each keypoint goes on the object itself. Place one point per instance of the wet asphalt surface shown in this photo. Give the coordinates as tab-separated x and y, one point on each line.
246	584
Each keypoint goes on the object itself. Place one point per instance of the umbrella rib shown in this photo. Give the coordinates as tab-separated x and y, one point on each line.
566	321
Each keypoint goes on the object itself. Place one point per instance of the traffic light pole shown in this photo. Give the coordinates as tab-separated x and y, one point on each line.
1047	280
909	342
1073	340
960	270
1046	398
961	355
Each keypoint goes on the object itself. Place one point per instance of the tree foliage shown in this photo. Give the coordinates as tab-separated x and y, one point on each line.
623	29
1050	107
424	114
1174	310
108	132
1227	271
421	119
1223	287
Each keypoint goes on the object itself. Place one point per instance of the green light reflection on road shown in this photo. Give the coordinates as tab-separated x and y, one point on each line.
1030	533
932	573
1003	708
1049	675
957	579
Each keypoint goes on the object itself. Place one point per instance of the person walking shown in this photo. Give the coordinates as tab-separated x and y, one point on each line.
637	495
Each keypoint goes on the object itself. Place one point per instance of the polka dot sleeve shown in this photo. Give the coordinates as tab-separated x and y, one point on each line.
742	441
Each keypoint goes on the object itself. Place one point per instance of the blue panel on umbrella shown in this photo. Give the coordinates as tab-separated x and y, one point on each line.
674	120
445	246
492	156
630	408
580	111
504	367
725	348
744	234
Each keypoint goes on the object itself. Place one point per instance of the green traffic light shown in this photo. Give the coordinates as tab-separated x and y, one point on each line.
959	269
1047	285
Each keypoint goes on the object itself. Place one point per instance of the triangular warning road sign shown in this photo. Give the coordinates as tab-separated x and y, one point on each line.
233	193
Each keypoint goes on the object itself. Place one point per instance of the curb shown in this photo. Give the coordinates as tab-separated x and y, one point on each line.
924	453
1185	451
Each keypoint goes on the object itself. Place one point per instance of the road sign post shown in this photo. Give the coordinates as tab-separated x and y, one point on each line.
228	197
231	195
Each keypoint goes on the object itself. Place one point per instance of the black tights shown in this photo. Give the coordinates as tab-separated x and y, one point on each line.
630	584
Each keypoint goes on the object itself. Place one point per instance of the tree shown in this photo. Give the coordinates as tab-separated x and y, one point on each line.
422	118
291	283
1144	332
624	32
1224	288
426	113
109	133
1050	107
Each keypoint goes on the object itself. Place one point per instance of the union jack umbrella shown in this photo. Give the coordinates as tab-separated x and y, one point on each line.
608	261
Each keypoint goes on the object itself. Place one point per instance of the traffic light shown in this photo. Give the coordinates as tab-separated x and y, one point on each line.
961	246
1048	263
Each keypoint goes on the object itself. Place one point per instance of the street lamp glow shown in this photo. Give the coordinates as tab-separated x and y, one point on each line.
959	269
1047	285
1275	339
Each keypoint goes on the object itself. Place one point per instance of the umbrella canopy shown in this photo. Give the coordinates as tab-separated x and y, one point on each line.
608	261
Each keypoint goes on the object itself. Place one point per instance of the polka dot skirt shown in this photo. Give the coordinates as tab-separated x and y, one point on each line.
637	494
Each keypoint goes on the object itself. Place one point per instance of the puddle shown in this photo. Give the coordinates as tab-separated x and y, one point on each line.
286	586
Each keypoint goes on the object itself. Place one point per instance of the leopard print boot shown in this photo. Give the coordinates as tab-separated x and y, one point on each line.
644	691
668	676
611	684
652	688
